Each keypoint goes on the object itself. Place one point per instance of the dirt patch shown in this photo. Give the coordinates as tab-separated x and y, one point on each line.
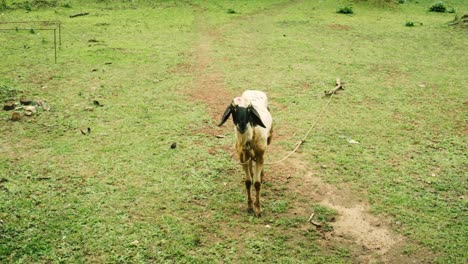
181	68
339	27
370	238
210	88
365	229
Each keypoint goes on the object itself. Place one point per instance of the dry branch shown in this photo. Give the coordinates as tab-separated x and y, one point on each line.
311	220
79	14
339	86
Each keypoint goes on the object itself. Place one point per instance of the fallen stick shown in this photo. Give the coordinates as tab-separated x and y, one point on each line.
79	14
311	217
339	86
316	224
311	220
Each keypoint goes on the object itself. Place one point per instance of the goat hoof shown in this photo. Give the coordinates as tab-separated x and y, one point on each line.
258	212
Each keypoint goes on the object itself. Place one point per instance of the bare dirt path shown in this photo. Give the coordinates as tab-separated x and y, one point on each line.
370	238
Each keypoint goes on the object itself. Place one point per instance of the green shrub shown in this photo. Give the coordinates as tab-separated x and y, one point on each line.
438	7
231	11
345	10
30	5
8	94
451	10
409	24
3	5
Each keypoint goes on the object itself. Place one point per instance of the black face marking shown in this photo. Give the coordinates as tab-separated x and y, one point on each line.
241	118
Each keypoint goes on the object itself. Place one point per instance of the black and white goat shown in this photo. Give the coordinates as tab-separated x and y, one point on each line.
253	130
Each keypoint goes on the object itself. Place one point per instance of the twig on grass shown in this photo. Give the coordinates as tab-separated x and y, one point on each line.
311	220
339	86
79	14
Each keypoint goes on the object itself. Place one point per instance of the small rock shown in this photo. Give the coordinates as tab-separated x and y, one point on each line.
28	113
24	101
220	136
9	106
15	116
174	145
42	104
268	226
89	108
134	242
323	166
94	70
352	141
30	108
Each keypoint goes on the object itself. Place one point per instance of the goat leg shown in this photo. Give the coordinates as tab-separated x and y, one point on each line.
258	184
257	204
247	166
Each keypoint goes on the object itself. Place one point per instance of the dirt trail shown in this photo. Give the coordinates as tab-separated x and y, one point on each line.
371	238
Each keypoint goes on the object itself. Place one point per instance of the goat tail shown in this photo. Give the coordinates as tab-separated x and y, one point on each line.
270	135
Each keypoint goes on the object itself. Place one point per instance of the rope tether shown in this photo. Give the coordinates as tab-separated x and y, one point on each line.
331	93
300	142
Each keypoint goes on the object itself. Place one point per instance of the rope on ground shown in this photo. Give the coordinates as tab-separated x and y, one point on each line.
331	93
300	142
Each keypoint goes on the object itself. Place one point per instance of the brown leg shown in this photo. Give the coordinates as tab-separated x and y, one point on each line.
258	184
244	157
248	183
257	204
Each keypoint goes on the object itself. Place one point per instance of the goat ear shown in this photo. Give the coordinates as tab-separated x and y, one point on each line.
255	117
226	114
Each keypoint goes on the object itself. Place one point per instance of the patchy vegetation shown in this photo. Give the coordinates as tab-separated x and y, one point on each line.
438	7
348	10
7	93
95	178
28	5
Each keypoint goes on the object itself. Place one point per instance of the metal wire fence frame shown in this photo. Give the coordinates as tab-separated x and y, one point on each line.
58	28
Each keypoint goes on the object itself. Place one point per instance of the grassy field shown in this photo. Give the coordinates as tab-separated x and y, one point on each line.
162	70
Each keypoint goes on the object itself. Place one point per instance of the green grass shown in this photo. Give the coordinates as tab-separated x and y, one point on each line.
121	194
405	103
